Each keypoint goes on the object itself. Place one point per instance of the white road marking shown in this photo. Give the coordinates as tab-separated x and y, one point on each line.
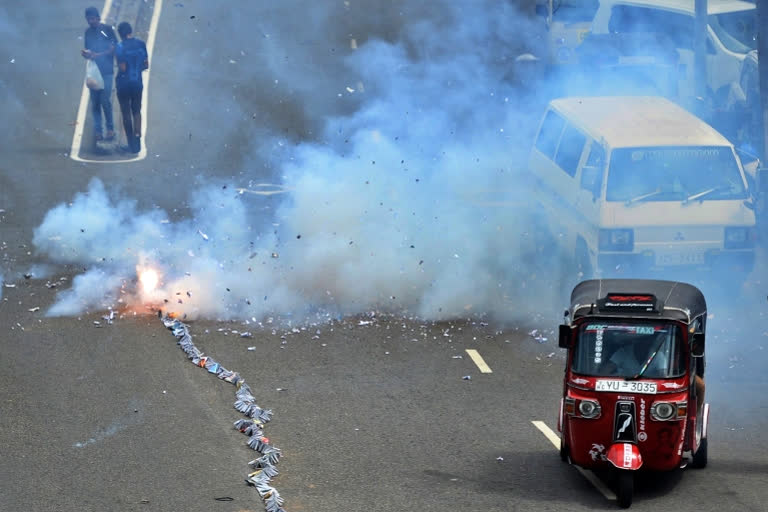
478	360
264	189
82	111
589	475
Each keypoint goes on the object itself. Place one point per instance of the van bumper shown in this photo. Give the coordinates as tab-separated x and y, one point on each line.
618	264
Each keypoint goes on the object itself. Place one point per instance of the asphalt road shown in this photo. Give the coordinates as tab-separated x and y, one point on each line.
372	412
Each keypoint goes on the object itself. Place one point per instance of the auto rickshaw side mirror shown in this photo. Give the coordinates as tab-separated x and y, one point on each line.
697	344
565	336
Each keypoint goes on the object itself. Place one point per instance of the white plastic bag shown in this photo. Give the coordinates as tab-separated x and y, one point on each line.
93	78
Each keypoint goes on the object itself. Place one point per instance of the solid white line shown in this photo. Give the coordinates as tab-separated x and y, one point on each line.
82	111
589	475
478	360
145	94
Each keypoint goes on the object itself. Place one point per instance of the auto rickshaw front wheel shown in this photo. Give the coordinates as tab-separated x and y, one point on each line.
700	457
625	488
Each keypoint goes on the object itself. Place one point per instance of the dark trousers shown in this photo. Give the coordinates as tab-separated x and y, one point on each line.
130	105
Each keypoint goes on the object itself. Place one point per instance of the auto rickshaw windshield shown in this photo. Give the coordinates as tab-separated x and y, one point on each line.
629	349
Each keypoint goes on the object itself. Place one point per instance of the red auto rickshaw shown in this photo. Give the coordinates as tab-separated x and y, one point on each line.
633	395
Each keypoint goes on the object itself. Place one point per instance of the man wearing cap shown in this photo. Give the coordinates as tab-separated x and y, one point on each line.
100	42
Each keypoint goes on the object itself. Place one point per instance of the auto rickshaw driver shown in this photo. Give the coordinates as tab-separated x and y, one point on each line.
633	352
699	378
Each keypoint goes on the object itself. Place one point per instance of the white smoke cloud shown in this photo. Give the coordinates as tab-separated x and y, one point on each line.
396	210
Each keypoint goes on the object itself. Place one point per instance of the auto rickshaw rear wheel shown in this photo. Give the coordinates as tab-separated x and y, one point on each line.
625	488
700	457
563	450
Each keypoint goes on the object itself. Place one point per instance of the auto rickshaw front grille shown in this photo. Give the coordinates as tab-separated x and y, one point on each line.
624	423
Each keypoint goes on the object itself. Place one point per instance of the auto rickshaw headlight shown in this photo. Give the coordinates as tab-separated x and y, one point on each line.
589	409
663	411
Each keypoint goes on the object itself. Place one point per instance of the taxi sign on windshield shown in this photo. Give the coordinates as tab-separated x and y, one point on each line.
645	302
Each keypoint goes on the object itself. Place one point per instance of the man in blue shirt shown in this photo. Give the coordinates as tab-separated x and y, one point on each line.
100	42
132	59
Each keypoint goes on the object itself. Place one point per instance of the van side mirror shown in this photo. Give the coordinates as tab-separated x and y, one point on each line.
697	344
565	337
591	180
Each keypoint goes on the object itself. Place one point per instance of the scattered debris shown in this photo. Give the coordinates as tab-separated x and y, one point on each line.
36	308
538	336
467	377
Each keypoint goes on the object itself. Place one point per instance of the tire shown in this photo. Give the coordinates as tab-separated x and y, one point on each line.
625	488
700	457
563	451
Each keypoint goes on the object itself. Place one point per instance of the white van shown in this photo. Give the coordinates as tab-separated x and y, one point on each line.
731	34
637	185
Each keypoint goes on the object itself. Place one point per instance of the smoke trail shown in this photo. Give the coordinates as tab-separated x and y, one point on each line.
396	210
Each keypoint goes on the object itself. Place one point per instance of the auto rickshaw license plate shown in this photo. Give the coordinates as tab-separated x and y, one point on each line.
626	386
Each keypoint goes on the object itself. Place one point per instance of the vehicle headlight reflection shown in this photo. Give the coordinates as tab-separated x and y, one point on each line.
589	408
663	411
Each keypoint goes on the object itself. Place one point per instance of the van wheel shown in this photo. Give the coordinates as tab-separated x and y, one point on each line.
625	488
563	450
700	457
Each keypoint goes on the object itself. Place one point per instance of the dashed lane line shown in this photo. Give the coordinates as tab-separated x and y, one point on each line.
478	360
589	475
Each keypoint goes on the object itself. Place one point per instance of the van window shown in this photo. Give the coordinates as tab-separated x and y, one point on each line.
628	18
592	172
736	30
570	149
549	135
596	156
669	173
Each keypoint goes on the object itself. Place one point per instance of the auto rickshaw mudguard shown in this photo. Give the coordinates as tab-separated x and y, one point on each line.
624	456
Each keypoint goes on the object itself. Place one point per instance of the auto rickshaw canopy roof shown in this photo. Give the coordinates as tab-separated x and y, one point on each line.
637	298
